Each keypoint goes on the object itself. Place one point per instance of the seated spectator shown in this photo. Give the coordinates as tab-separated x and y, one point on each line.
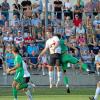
5	9
80	29
68	32
87	59
81	39
27	10
58	9
97	62
32	51
29	39
88	8
9	57
83	47
67	9
96	22
78	9
37	6
40	41
26	23
19	38
94	48
22	49
98	6
16	9
77	21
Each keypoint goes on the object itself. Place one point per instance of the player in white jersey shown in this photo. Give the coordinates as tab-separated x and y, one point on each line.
52	44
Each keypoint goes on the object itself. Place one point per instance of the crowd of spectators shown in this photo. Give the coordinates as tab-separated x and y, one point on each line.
79	24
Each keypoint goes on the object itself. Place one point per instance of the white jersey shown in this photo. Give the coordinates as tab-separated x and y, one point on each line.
26	73
50	43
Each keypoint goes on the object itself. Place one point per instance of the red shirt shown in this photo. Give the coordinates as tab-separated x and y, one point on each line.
28	39
76	22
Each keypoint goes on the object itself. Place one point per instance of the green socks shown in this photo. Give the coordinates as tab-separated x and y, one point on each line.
15	93
65	80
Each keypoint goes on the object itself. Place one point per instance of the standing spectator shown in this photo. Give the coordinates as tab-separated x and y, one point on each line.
58	9
16	9
67	9
5	9
78	9
88	8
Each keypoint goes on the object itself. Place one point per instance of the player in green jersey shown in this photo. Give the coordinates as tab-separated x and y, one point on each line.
68	58
18	82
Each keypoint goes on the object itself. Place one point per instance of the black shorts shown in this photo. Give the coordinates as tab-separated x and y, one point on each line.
55	59
27	79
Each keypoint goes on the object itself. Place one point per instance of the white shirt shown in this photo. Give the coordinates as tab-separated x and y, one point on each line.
97	58
68	5
50	43
17	40
26	73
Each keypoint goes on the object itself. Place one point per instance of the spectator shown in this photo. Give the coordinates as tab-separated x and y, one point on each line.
67	9
29	39
97	35
77	21
9	57
58	9
37	6
98	6
80	29
78	9
81	39
2	21
88	8
33	50
96	22
16	9
5	9
19	38
94	48
87	59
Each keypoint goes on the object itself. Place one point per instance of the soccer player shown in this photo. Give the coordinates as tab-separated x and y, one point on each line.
52	44
96	93
68	58
18	82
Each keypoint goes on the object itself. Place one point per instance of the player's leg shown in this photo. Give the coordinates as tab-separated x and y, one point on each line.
59	73
14	84
96	93
65	78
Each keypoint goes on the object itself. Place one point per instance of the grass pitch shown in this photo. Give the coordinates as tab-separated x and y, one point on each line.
45	93
50	97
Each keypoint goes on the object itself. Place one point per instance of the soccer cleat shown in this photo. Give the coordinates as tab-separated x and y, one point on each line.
68	90
91	98
91	72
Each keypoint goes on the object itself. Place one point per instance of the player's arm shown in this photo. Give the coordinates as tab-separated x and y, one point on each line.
16	67
43	52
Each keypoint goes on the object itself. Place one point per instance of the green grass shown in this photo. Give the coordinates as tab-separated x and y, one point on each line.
44	93
50	97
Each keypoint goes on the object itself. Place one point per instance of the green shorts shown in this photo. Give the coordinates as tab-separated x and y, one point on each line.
19	77
67	58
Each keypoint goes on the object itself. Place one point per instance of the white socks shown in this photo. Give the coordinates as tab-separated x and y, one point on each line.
28	95
51	78
97	93
58	78
43	71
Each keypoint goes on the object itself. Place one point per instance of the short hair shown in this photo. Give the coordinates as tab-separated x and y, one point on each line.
15	49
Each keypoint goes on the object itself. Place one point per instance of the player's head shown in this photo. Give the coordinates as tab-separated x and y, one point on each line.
58	35
15	50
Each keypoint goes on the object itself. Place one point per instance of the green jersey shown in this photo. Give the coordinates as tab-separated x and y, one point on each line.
18	60
64	48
